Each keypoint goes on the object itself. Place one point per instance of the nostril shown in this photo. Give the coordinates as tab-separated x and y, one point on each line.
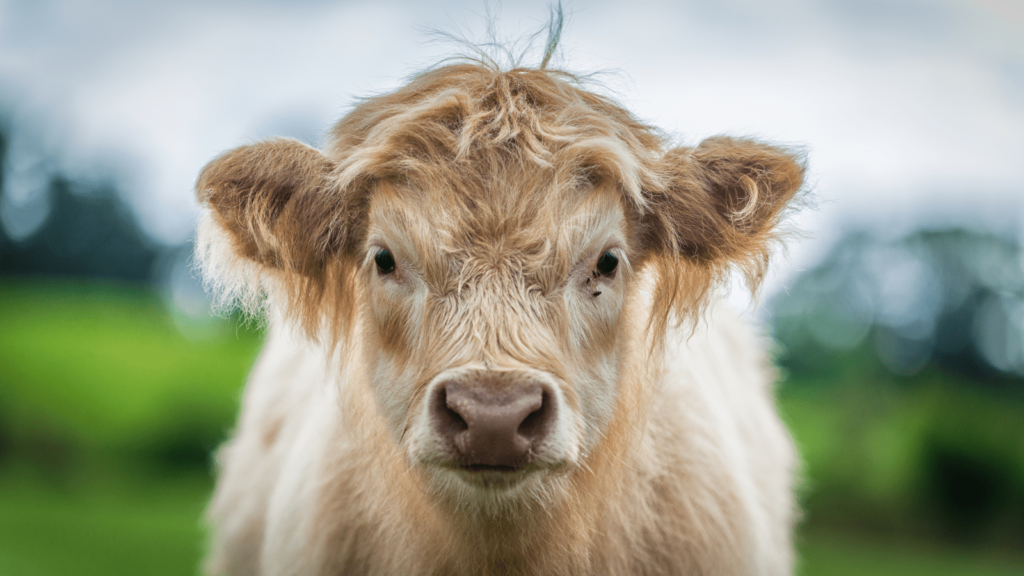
457	423
448	421
534	424
455	420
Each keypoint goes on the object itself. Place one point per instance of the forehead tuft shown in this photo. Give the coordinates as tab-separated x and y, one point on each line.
466	126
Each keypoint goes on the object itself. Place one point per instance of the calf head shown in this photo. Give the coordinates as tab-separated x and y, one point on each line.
502	250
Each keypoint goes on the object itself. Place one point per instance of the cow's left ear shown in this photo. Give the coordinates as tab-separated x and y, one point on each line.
721	201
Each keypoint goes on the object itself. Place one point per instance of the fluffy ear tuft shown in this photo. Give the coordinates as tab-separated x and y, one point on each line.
274	201
722	199
278	223
717	206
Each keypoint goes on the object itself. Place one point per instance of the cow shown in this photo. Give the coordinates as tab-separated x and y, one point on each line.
495	340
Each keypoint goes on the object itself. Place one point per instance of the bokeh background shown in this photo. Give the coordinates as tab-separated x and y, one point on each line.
899	313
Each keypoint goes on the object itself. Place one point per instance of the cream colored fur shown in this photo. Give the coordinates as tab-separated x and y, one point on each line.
307	489
497	194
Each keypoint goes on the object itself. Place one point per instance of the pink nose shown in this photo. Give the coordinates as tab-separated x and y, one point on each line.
492	423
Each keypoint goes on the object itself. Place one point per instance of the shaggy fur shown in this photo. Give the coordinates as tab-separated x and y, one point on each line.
497	192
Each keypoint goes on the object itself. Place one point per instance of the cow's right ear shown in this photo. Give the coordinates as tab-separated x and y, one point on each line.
277	204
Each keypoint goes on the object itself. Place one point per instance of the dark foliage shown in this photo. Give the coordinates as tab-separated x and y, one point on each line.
950	298
89	233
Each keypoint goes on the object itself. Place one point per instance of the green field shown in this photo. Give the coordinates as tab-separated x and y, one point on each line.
108	413
155	529
116	526
103	367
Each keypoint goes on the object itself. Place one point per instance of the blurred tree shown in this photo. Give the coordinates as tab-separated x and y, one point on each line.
951	298
88	232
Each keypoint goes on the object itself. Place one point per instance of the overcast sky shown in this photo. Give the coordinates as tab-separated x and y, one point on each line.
909	110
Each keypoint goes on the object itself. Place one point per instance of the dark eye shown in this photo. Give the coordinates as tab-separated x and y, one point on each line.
385	262
607	263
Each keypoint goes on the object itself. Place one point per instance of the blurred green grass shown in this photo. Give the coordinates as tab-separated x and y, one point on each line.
829	552
108	415
935	456
103	365
120	524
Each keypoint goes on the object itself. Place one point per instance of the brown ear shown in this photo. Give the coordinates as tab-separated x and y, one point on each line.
276	202
714	207
721	201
